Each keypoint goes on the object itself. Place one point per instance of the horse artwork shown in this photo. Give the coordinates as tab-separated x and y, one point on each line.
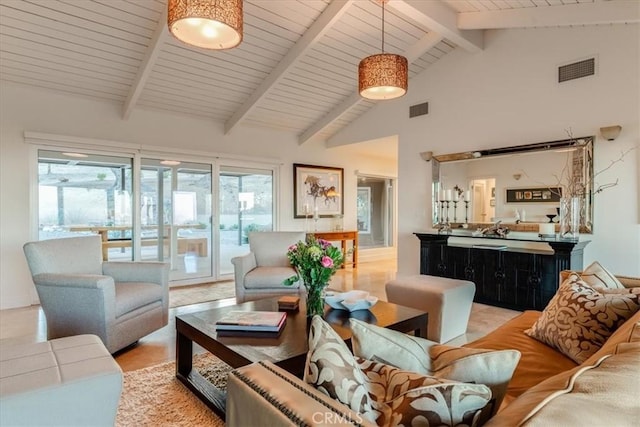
317	191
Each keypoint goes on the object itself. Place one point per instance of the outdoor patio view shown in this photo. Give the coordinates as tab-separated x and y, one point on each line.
82	194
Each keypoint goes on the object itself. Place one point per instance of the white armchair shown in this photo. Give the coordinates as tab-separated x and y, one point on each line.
120	302
260	273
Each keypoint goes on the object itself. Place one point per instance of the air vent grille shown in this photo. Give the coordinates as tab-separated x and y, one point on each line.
419	110
577	70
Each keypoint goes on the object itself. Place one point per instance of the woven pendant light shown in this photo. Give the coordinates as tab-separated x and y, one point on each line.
384	75
210	24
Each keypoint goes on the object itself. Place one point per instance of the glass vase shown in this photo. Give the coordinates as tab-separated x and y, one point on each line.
570	208
315	300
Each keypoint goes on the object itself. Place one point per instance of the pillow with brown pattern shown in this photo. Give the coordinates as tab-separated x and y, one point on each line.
385	394
579	318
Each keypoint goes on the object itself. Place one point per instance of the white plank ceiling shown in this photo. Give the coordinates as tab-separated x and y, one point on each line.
295	70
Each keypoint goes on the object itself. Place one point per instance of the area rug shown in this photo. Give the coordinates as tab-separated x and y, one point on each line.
154	397
187	295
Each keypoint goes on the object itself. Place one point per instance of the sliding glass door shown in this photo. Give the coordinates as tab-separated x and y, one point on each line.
175	216
153	209
80	193
246	205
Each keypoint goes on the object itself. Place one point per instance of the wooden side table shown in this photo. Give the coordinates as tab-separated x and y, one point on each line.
343	237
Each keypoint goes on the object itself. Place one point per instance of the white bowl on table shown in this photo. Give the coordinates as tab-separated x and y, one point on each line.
351	300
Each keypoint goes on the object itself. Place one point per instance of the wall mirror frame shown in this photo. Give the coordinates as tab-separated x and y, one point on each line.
545	167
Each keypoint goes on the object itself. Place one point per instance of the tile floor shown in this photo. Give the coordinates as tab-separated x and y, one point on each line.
28	324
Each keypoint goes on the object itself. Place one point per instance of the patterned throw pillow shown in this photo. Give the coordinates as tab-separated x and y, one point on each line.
493	368
412	399
579	319
384	394
597	276
332	369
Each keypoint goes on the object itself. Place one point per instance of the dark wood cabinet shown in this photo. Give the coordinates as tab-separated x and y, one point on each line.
516	278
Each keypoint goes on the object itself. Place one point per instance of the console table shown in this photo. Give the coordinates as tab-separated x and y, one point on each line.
343	237
505	276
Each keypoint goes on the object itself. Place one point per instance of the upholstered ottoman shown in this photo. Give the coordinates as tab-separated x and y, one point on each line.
448	302
71	381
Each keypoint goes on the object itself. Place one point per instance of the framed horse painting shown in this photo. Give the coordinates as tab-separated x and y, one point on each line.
317	191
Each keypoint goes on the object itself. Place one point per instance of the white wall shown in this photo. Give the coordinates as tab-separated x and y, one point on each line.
27	109
508	95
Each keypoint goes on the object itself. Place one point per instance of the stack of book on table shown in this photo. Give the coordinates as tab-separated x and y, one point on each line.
288	303
253	323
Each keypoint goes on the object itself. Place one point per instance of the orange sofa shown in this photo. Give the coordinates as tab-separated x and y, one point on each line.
545	378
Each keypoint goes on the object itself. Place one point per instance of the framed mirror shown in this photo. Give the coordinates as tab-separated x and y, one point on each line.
520	186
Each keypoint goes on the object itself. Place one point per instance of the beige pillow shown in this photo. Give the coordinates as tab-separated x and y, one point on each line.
605	395
599	277
579	319
480	366
601	393
384	394
391	347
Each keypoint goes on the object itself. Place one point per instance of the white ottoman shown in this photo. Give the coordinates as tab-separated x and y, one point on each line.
448	302
71	381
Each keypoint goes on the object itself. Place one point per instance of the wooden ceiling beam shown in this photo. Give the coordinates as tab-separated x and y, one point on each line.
438	17
316	31
151	55
602	13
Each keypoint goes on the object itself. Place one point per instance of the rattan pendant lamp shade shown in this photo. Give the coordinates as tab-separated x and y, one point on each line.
384	75
210	24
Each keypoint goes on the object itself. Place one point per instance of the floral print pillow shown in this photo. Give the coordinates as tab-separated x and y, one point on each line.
410	399
384	394
332	369
579	319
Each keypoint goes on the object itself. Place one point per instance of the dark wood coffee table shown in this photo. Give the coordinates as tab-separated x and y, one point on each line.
288	350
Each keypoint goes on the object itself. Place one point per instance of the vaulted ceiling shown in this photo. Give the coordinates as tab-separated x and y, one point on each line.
295	70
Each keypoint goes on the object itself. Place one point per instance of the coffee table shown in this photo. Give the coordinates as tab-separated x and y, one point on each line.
288	350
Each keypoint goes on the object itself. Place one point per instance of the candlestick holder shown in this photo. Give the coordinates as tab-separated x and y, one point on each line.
315	221
466	211
455	211
443	225
447	207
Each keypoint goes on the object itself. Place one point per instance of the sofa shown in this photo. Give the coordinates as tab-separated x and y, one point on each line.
547	387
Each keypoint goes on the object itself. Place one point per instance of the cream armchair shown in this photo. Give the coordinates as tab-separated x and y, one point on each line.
260	273
120	302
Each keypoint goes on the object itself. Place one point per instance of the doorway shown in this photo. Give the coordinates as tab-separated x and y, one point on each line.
375	211
483	205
